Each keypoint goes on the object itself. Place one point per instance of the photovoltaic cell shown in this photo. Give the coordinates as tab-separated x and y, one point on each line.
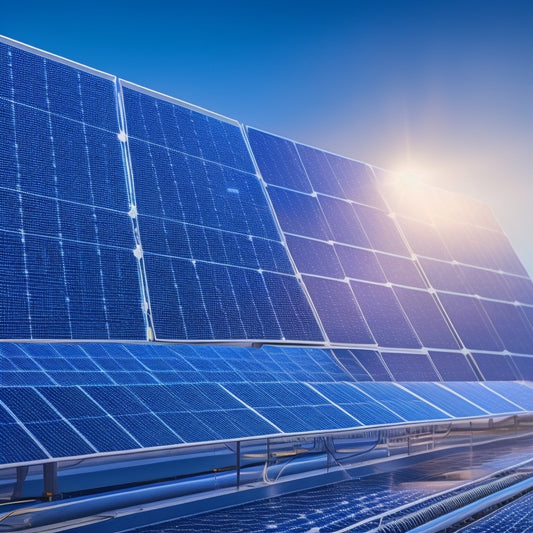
496	366
453	366
410	366
215	264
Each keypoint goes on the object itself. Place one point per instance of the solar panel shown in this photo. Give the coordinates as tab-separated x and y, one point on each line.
215	264
445	399
354	261
68	268
461	249
401	402
483	397
453	366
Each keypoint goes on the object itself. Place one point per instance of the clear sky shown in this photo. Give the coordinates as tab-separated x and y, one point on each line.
443	89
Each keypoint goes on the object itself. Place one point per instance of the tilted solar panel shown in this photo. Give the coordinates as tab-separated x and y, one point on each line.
354	261
66	239
215	264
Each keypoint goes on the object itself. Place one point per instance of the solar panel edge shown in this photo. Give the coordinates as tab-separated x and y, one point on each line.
55	57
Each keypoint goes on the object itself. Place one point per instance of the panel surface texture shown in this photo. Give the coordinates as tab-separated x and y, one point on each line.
215	265
67	241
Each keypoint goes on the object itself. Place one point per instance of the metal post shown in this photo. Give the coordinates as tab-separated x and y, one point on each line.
50	486
238	458
22	472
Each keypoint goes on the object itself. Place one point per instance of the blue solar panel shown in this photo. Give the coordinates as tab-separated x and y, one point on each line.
524	366
445	399
426	318
339	312
366	410
471	322
215	265
70	272
515	333
516	392
483	397
384	316
403	403
16	445
400	271
372	363
357	371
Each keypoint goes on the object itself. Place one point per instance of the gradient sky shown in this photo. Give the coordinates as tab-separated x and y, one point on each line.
442	89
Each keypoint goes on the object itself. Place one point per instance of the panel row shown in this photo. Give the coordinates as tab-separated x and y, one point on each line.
32	364
44	422
128	215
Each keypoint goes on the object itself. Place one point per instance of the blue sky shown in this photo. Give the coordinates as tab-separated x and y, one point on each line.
443	89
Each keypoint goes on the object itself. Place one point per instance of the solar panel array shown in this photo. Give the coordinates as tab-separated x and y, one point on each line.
59	400
126	215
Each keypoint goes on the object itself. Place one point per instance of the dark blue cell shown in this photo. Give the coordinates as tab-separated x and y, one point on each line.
319	171
29	78
17	446
453	366
444	276
299	214
357	181
496	366
116	400
384	316
426	318
410	366
105	434
314	257
400	271
148	430
14	302
485	283
343	222
278	161
8	148
515	333
359	264
519	289
471	322
338	311
352	365
72	402
524	366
